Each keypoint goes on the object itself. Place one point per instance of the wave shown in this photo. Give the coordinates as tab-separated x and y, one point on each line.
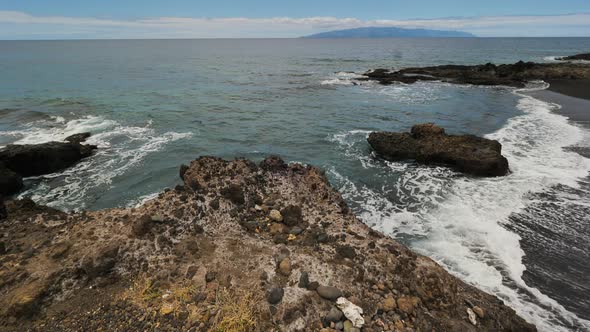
461	221
343	78
121	148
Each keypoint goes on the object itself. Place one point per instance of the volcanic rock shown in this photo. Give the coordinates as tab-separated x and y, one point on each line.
428	144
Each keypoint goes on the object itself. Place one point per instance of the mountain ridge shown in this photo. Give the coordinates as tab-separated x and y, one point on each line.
388	32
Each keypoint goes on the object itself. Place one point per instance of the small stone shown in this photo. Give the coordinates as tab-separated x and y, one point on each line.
479	312
351	311
329	292
292	215
339	326
407	304
313	285
158	218
210	276
141	226
234	193
257	207
304	280
275	215
251	225
166	309
388	304
296	230
285	267
275	295
471	316
347	326
334	315
276	228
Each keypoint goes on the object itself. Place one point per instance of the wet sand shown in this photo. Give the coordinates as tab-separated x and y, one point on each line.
573	98
573	88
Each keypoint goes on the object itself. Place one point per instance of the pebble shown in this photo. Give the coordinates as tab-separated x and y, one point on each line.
329	292
285	267
304	280
296	230
275	215
275	295
407	304
339	326
210	276
388	304
479	312
276	228
334	315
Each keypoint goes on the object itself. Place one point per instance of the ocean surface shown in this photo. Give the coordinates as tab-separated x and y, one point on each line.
155	104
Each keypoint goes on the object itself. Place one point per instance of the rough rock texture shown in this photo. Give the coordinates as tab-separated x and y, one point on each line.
583	56
516	75
428	144
190	266
18	161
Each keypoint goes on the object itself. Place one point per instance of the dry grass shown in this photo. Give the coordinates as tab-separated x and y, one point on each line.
237	311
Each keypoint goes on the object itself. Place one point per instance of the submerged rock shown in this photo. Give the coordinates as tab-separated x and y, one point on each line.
516	75
428	144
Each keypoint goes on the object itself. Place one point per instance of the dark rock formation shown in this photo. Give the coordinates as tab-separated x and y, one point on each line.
515	75
583	56
18	161
428	144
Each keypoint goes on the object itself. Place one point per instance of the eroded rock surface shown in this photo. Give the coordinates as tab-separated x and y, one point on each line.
583	56
18	161
515	75
429	144
179	263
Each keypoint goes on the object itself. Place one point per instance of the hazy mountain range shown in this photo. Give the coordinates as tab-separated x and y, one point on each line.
388	32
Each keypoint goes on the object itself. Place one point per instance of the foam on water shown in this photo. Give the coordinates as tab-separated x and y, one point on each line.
343	78
459	221
121	148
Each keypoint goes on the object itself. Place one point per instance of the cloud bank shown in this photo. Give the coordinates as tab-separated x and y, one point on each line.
19	25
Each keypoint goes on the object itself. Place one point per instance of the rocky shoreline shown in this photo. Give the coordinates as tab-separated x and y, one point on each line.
514	75
239	247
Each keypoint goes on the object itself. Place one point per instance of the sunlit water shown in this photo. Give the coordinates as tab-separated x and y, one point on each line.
153	105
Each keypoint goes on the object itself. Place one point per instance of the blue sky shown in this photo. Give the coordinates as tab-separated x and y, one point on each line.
41	19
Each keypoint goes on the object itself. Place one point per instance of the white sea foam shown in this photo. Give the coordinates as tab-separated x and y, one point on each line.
343	78
121	148
462	226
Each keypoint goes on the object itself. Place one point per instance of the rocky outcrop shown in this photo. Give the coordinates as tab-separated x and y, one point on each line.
515	75
18	161
180	262
583	56
428	144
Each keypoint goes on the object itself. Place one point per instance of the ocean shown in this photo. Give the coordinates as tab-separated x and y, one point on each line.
152	105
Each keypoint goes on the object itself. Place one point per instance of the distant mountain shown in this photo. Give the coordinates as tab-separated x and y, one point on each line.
388	32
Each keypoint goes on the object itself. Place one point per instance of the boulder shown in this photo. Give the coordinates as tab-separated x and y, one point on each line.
10	181
428	144
18	161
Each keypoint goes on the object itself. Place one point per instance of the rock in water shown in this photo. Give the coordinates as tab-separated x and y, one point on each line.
37	159
10	182
584	56
428	144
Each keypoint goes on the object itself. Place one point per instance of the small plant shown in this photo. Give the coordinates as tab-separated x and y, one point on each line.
237	311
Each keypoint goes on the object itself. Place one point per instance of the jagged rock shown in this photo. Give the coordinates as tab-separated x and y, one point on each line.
471	317
584	56
18	161
234	193
407	304
516	75
388	304
275	215
10	181
304	280
352	312
291	215
428	144
78	138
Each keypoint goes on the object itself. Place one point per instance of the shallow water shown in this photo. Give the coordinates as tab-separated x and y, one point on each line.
153	105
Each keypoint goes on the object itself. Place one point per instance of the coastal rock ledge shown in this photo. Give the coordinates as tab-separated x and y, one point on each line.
239	247
429	144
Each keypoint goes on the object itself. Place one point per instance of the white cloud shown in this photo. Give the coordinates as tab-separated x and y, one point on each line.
22	25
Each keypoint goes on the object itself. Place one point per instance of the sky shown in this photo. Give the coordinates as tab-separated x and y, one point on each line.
91	19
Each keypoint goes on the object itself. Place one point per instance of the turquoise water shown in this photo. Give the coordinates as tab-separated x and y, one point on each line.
153	105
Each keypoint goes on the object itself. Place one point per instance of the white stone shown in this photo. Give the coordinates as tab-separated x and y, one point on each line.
351	311
471	315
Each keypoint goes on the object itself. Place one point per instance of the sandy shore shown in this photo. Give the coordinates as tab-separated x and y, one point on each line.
574	88
577	109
